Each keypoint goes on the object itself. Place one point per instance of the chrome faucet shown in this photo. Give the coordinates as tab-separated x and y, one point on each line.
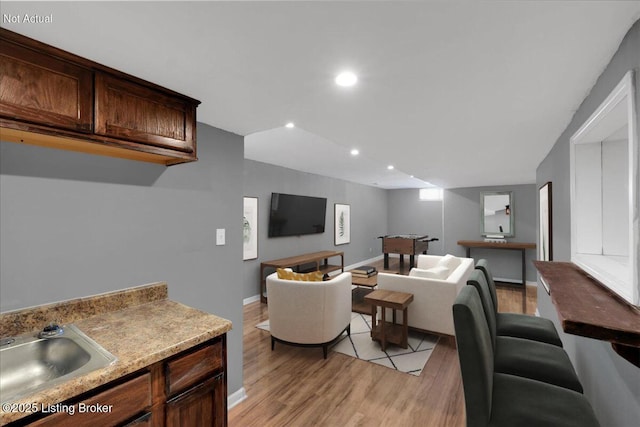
51	330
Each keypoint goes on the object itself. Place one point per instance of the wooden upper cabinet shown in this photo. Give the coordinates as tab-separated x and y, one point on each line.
39	88
53	98
134	112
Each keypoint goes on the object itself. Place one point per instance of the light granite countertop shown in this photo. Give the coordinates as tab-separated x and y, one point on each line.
139	326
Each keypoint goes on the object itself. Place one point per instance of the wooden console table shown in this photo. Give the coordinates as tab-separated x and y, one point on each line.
320	259
522	247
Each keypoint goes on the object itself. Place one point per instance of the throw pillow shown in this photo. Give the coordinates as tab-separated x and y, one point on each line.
286	274
449	261
430	273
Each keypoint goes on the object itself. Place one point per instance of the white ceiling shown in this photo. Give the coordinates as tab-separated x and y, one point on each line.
459	93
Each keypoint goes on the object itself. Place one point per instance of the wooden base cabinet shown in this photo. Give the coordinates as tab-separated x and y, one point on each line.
185	390
197	387
203	405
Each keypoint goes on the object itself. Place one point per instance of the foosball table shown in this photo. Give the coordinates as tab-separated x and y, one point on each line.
405	244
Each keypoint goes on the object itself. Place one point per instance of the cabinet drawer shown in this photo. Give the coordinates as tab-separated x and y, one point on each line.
194	367
127	110
107	408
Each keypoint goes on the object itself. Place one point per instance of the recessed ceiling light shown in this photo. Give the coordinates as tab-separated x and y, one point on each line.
390	167
289	125
355	152
346	79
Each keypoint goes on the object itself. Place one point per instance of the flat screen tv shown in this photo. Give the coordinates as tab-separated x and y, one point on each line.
292	215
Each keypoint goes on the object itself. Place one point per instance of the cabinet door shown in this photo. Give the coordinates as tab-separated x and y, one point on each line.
39	88
203	405
127	110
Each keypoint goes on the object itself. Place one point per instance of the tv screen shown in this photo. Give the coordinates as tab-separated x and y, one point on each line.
292	215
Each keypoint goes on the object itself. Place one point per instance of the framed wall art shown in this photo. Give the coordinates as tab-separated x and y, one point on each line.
342	224
545	246
250	228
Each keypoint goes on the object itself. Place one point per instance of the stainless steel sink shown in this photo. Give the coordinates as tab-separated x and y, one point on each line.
30	364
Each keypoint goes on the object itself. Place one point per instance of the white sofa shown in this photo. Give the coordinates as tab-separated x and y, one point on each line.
309	314
433	298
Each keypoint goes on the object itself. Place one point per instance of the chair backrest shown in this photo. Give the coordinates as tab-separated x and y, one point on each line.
308	312
475	354
477	280
483	265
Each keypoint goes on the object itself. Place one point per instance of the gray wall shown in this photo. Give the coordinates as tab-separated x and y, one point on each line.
460	220
611	383
74	225
368	217
410	215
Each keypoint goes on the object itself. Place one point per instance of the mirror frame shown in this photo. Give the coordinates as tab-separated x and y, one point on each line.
512	222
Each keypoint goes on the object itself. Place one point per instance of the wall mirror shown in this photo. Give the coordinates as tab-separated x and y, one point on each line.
497	216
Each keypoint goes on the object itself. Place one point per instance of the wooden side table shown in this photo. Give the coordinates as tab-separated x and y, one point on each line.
364	287
389	332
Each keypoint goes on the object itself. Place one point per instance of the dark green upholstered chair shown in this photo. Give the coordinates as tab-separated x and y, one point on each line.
497	399
519	325
525	358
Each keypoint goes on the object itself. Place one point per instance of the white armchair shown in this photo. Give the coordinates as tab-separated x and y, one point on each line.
309	314
433	298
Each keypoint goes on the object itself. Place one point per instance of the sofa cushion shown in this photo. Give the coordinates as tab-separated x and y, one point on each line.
449	261
287	274
438	272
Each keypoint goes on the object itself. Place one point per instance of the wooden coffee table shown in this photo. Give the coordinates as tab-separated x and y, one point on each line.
365	287
389	332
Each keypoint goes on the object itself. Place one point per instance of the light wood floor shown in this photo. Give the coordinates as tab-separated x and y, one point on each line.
294	386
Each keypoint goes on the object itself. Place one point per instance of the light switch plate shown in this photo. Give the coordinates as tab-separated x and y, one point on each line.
220	236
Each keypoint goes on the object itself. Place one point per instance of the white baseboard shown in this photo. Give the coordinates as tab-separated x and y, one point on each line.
251	299
234	398
365	262
517	282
